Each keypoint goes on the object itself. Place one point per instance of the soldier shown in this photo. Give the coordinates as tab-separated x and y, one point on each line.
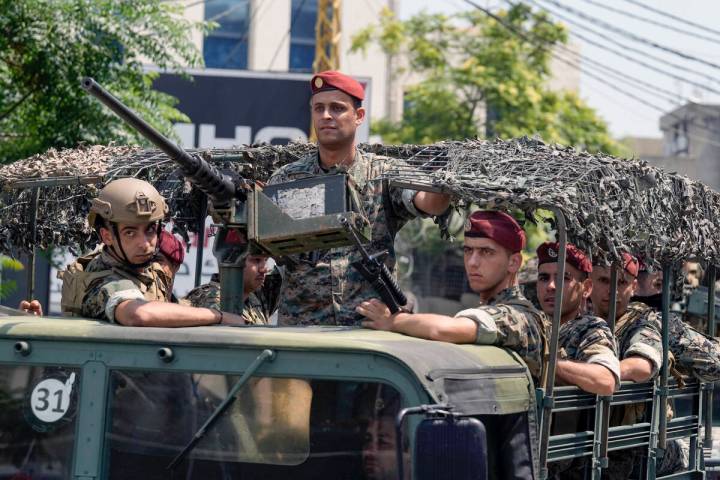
587	351
493	245
492	251
321	286
637	328
170	256
695	354
587	348
121	283
255	310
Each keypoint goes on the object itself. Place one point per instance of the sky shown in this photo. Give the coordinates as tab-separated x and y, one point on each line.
627	116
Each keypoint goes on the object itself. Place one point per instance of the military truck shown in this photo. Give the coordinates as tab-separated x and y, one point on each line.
87	400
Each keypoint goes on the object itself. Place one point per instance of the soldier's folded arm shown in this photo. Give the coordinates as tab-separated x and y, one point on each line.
642	358
431	203
637	369
429	326
591	377
141	313
473	325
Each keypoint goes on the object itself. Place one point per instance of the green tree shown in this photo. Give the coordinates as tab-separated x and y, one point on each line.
468	61
7	287
48	46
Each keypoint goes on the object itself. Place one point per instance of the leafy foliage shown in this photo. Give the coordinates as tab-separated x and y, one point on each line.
468	61
7	287
48	46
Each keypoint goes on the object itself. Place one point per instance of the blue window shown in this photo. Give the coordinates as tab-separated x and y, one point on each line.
302	35
227	45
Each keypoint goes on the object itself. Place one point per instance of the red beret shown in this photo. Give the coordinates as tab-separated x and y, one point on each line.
332	80
171	247
498	226
548	253
630	264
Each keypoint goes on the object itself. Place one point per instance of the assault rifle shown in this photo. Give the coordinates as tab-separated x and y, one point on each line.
374	270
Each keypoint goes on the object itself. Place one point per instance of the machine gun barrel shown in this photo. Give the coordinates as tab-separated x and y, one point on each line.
218	187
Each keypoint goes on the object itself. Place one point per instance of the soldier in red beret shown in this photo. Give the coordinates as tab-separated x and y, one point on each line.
492	251
637	330
321	287
587	348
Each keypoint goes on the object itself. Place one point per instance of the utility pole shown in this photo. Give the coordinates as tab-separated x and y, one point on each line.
327	41
327	36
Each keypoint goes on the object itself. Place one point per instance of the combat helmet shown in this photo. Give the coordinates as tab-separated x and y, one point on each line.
128	201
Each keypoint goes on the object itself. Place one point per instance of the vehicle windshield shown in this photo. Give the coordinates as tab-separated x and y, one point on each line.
276	427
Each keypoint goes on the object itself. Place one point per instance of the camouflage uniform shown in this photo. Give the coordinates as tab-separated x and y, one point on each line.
695	354
208	296
106	292
517	325
638	334
321	287
586	339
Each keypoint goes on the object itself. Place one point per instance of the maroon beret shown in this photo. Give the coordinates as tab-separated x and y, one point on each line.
498	226
171	247
630	264
332	80
548	253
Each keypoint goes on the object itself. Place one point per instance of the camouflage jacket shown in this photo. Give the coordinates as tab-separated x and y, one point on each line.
114	283
588	339
518	325
208	296
321	287
694	353
638	334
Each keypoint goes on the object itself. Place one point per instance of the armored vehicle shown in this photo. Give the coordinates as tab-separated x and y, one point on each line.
88	400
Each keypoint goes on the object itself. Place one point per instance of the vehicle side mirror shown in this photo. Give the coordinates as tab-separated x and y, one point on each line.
450	447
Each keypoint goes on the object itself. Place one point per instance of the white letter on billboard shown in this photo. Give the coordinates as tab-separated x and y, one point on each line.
186	134
208	140
268	134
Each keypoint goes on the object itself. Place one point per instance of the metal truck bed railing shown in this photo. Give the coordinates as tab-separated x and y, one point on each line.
644	434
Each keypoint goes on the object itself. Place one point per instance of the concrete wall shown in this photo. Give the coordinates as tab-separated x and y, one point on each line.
268	43
692	132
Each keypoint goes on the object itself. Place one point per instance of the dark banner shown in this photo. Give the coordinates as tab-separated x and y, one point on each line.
228	108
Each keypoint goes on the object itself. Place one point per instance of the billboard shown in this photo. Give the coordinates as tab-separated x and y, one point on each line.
237	107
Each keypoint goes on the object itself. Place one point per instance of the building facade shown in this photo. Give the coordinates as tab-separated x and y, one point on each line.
279	36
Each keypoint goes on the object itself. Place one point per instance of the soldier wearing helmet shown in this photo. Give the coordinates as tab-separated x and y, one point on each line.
122	282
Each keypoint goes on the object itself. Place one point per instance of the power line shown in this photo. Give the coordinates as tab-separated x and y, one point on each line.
669	96
674	17
653	22
636	60
632	36
647	87
620	90
612	40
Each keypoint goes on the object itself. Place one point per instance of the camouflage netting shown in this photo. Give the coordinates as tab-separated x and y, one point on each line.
609	204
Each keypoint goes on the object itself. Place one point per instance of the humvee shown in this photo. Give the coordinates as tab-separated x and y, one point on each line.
88	400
